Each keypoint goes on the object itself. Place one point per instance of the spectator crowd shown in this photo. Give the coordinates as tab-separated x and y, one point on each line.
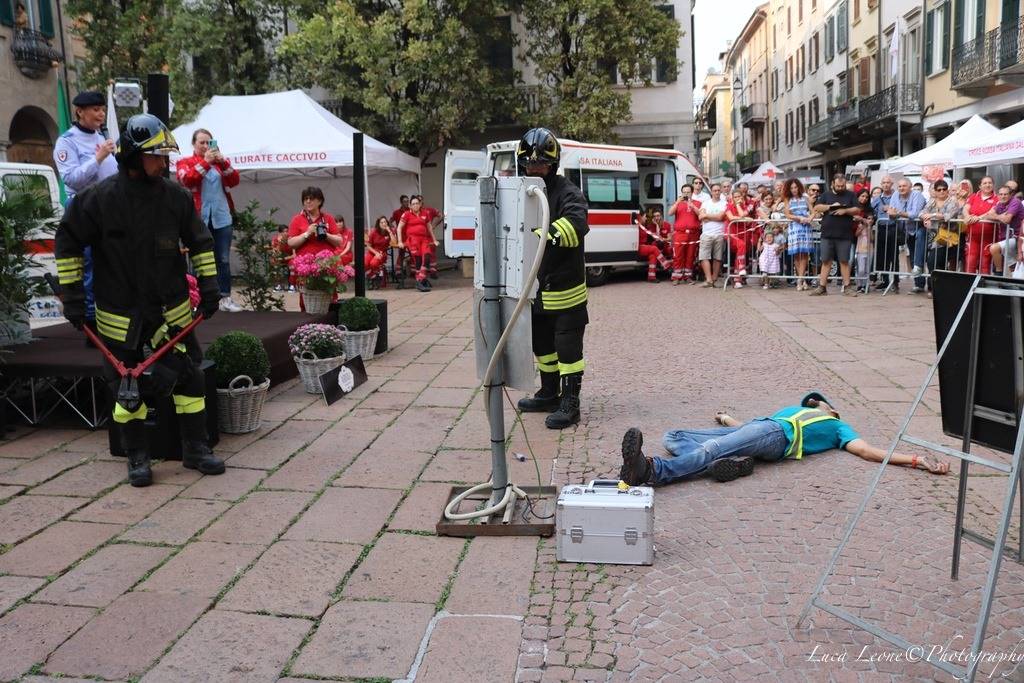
789	234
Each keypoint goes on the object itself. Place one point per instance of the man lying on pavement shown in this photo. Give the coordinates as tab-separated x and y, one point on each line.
729	451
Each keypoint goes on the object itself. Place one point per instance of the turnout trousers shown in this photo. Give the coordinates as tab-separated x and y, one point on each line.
558	340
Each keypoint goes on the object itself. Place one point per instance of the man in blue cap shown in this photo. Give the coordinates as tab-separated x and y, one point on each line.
85	156
729	451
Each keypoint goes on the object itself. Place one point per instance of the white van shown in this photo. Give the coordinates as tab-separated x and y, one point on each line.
617	182
42	180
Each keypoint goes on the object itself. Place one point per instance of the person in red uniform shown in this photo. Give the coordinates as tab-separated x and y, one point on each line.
664	231
685	234
378	240
312	231
347	248
433	217
980	234
403	206
414	234
648	248
736	213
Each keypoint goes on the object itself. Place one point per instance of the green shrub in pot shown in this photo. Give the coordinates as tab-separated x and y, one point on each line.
239	353
358	314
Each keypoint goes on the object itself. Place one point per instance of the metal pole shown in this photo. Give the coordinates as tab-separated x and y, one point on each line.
359	210
490	318
965	444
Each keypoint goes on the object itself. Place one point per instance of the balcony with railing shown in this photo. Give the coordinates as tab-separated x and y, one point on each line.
845	117
749	160
754	115
975	63
1011	51
33	54
819	135
880	110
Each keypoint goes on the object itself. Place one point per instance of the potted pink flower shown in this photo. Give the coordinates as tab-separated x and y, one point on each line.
321	275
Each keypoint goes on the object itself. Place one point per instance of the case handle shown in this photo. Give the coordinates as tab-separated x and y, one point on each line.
603	483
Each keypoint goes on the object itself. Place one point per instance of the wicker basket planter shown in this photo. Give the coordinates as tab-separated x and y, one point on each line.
317	301
240	406
360	343
310	368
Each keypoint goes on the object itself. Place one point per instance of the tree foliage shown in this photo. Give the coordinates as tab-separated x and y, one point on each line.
575	46
416	71
208	47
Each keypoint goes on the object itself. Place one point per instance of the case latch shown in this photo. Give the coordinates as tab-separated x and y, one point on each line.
576	534
631	536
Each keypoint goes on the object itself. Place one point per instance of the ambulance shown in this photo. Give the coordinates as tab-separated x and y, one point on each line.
40	180
617	181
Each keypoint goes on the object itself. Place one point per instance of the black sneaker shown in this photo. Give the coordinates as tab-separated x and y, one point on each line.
422	286
727	469
636	469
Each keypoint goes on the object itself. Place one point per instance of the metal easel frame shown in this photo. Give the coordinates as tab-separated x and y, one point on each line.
94	418
979	289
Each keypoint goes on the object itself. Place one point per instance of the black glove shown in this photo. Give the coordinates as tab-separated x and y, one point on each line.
209	292
74	312
209	305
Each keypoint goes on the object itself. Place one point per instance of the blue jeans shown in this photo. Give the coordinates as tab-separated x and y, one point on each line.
917	245
222	254
694	449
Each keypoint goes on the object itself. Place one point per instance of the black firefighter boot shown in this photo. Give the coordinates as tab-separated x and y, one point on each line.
546	399
568	412
195	451
133	440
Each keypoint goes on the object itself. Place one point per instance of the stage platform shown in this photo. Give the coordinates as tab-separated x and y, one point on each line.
58	369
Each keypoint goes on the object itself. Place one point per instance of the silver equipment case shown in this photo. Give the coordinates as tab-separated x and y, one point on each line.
605	522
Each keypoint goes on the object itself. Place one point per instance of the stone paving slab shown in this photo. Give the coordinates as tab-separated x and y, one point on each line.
202	568
260	518
31	632
230	486
127	504
231	646
56	548
494	577
294	578
405	568
88	480
463	649
127	637
40	469
345	515
100	579
14	588
381	640
23	516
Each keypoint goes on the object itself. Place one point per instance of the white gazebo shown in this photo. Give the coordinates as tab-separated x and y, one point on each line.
1004	146
942	153
283	142
765	174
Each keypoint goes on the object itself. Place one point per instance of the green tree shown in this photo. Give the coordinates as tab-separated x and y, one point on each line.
576	46
207	47
414	72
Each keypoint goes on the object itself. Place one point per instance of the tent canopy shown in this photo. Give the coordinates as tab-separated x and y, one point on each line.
1004	146
765	174
942	152
283	142
286	130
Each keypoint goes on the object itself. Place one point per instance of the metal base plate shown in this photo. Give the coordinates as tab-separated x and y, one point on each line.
542	497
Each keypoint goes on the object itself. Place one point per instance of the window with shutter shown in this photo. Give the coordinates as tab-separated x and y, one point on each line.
7	12
929	39
865	76
830	44
945	35
45	24
958	22
661	72
841	28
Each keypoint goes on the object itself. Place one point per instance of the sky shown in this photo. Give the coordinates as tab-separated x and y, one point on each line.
716	21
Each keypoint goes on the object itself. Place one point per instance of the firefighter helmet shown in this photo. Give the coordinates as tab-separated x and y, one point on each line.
145	134
538	145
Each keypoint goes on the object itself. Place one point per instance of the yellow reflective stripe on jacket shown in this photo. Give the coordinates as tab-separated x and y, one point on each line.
112	326
160	336
571	368
204	264
556	301
70	270
122	415
796	449
548	363
186	405
568	233
180	315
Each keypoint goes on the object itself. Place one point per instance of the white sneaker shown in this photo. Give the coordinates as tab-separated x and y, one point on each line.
228	304
916	270
737	285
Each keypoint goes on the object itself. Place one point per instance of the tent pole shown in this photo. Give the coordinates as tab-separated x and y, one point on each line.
359	209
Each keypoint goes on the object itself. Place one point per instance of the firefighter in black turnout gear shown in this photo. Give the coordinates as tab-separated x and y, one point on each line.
560	309
135	222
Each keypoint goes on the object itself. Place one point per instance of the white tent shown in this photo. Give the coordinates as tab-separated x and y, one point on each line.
942	152
1004	146
765	174
282	142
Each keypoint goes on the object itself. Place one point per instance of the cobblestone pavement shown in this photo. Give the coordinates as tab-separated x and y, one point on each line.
314	556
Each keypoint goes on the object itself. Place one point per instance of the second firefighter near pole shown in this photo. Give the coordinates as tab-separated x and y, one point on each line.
559	315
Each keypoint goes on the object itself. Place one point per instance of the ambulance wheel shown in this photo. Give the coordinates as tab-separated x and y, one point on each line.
597	275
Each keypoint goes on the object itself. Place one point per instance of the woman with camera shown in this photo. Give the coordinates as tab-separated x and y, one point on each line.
312	231
208	174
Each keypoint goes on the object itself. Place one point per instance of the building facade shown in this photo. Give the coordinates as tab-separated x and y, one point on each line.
748	61
715	126
33	42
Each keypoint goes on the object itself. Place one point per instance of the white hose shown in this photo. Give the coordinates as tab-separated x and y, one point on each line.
511	490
